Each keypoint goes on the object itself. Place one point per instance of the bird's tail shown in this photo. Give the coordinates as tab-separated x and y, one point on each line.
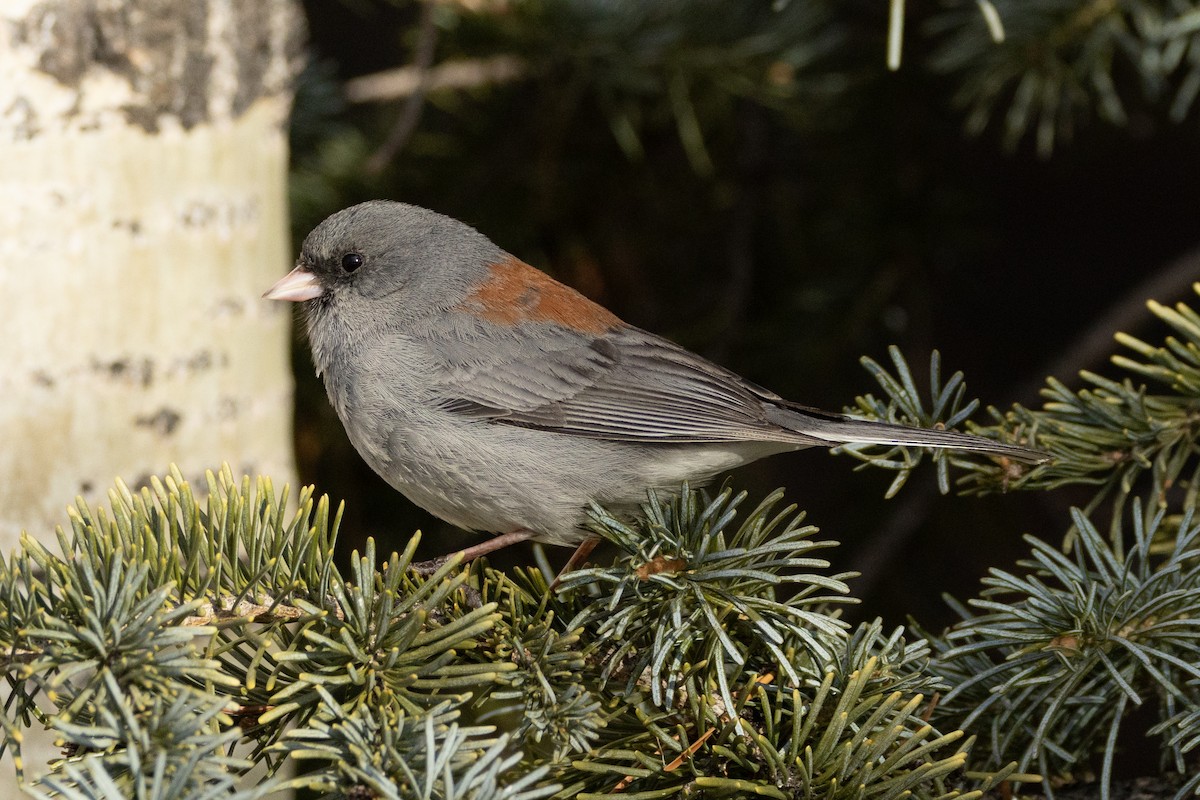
833	429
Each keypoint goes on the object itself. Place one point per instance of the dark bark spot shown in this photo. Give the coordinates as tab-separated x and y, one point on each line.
127	368
161	48
163	422
228	408
28	127
253	21
199	361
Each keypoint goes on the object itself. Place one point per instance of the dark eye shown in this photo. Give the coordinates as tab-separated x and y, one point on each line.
352	261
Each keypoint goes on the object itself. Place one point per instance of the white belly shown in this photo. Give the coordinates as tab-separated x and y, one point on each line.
491	477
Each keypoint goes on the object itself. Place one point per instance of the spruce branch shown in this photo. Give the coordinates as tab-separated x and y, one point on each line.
651	70
717	592
1110	434
1058	653
374	751
462	74
904	403
168	629
173	749
1061	63
170	650
727	673
847	735
1182	735
548	693
114	641
387	649
1114	433
895	40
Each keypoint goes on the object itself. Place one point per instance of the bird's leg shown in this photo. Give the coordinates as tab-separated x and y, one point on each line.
576	560
427	568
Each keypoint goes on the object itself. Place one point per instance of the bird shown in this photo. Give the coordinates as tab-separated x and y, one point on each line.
505	402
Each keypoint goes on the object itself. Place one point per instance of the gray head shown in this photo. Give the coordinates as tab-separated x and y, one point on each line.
383	259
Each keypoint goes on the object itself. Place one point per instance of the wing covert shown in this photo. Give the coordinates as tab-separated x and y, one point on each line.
626	384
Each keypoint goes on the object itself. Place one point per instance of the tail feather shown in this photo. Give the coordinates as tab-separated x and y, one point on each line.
836	430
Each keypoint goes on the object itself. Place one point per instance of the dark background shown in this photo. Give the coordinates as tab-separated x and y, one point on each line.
845	209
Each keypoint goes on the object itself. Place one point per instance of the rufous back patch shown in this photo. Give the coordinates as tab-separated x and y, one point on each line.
516	292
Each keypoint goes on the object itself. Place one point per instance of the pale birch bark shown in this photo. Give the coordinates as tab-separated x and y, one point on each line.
143	157
142	214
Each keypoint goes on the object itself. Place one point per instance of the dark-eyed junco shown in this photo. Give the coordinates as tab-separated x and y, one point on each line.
503	401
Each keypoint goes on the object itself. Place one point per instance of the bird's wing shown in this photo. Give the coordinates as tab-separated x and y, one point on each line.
630	385
625	384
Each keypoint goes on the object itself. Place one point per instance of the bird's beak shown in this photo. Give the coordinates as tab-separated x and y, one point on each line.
298	285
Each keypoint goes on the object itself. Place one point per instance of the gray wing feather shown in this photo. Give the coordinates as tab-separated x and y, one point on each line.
630	385
626	385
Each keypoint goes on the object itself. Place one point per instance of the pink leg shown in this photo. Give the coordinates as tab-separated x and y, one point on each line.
576	560
475	551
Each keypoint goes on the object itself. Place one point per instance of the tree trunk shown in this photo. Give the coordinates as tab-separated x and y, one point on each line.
143	211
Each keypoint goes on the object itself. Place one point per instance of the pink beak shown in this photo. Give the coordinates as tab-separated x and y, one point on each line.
298	285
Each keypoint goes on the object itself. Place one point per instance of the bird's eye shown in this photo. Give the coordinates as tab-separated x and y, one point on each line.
352	261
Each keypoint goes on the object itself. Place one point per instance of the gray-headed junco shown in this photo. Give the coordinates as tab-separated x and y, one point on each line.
503	401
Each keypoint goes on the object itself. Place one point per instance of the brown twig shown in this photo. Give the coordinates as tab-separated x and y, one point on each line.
690	750
393	84
410	115
211	614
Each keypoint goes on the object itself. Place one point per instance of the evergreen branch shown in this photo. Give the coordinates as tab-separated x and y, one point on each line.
115	643
645	67
707	659
1059	653
387	649
226	609
1059	61
1107	435
547	693
171	748
904	404
716	590
1182	734
988	14
372	751
717	686
462	74
849	735
1112	433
